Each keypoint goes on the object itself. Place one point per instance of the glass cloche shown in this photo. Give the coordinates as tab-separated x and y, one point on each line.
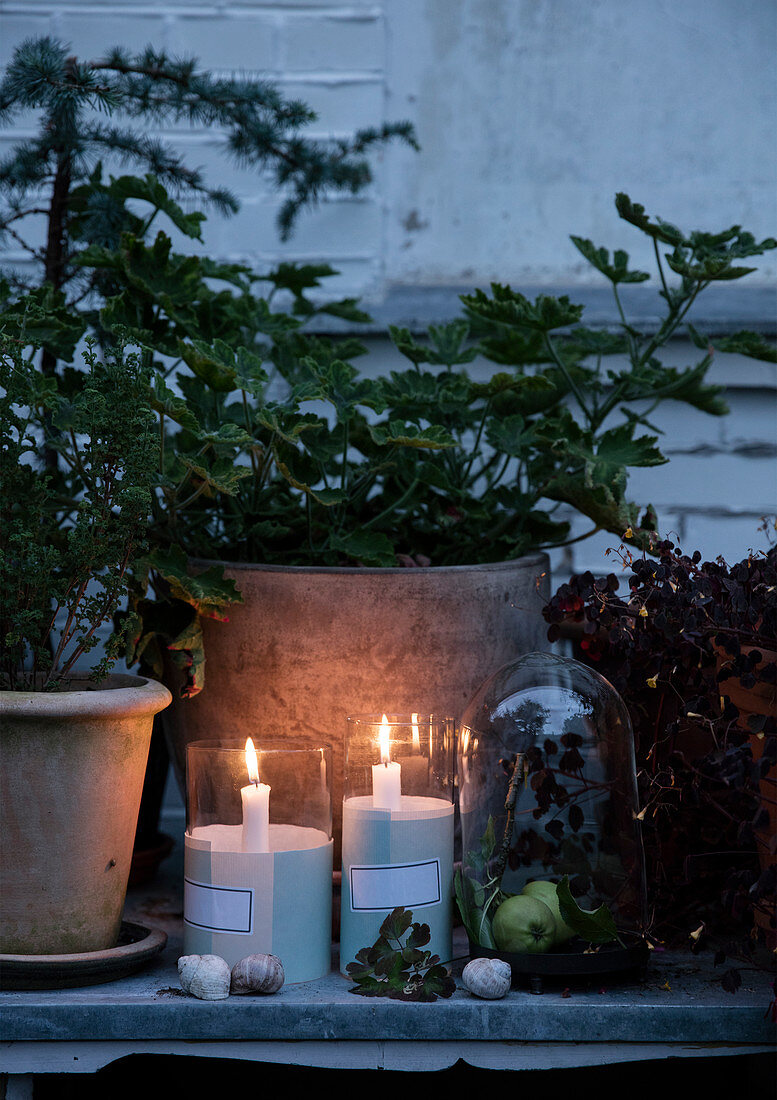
549	813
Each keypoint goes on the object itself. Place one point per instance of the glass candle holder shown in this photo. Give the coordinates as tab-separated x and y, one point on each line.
258	855
397	827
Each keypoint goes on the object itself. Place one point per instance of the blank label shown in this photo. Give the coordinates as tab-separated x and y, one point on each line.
409	884
217	908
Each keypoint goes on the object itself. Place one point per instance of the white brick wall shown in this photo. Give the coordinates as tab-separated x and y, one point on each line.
330	55
530	117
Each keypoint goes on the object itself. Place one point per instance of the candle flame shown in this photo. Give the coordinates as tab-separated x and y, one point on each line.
416	734
252	761
383	738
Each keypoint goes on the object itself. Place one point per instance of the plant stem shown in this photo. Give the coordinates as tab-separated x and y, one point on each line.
476	444
568	377
510	800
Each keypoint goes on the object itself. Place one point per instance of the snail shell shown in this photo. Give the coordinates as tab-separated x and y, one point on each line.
204	976
258	974
487	978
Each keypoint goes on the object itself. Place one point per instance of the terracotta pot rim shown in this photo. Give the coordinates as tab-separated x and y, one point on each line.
539	558
119	694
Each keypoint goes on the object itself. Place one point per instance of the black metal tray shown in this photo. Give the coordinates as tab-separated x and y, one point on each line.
575	962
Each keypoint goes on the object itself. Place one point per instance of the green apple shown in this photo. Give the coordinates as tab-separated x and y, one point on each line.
524	925
546	891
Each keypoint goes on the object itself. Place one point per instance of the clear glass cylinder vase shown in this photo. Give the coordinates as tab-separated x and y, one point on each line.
397	827
258	854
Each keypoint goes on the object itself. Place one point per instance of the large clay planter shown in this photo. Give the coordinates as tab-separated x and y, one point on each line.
309	646
72	774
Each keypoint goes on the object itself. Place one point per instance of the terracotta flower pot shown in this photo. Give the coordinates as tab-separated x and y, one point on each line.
70	786
309	646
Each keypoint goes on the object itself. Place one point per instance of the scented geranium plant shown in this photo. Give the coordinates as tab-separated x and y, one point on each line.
278	449
427	463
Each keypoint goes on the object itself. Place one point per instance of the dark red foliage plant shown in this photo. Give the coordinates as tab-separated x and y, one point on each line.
690	645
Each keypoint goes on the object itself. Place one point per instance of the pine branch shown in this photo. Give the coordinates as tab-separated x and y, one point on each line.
261	130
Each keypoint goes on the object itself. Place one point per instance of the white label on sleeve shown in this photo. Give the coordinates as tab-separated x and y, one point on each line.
218	908
412	885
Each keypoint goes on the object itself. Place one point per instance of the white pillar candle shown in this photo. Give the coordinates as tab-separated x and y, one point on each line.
256	806
386	776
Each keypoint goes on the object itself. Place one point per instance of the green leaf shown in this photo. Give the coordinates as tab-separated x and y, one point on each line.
472	898
410	348
220	476
617	447
750	344
510	383
43	318
397	433
604	504
448	344
513	347
325	496
299	277
469	903
511	435
288	425
391	968
227	434
711	269
396	923
170	404
208	591
588	341
215	364
268	529
346	309
345	390
654	379
617	271
593	926
237	275
635	214
420	935
187	652
508	307
150	190
368	547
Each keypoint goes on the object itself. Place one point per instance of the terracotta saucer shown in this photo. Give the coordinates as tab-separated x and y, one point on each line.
135	947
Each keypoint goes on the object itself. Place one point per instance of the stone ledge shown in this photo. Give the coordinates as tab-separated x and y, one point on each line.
681	1001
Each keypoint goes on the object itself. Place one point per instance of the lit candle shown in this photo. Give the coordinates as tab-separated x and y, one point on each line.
256	806
386	776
